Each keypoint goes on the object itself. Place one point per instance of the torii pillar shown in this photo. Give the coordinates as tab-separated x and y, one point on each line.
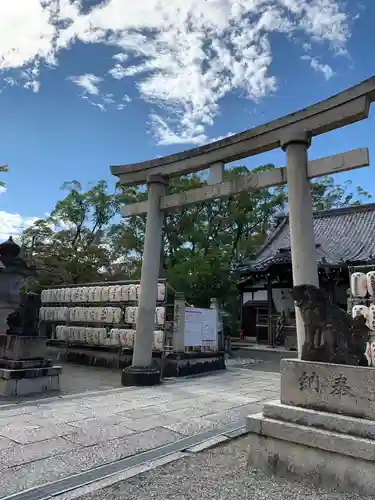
142	372
301	222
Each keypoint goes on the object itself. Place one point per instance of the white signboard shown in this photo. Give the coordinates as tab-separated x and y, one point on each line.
200	327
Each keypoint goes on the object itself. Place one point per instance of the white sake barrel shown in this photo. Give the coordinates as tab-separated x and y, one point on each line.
358	284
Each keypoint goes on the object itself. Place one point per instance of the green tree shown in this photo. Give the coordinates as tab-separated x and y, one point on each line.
70	245
3	168
85	240
203	242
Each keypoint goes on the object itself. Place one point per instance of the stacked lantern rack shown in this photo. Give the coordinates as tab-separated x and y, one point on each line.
362	294
99	315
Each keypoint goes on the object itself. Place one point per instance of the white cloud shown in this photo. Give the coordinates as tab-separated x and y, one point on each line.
88	83
319	67
121	57
13	224
186	55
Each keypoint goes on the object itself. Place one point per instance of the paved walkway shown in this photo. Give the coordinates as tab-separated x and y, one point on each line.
52	439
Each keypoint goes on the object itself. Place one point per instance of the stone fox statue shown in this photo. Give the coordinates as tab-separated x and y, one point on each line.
332	335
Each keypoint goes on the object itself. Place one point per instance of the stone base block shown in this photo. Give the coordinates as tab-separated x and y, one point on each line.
26	364
334	422
323	469
348	390
194	363
19	348
29	386
133	376
323	431
29	373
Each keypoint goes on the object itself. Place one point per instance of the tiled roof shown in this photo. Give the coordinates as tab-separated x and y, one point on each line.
342	236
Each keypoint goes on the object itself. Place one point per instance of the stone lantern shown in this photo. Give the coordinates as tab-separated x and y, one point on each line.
12	270
24	369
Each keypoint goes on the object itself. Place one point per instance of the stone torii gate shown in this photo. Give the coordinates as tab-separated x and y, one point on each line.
293	133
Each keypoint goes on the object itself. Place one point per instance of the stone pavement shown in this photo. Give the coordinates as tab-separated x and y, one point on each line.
51	439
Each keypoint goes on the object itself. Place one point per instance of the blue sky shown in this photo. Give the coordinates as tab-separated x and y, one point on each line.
87	84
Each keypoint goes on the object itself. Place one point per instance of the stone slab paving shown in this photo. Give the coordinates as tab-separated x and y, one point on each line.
51	439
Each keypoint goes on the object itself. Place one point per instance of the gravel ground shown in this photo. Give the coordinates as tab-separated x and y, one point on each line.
217	474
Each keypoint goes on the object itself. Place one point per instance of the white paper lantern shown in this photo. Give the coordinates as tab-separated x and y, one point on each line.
370	279
137	292
371	317
58	332
118	293
89	336
117	315
85	294
85	314
158	340
360	309
124	293
161	292
68	295
122	338
130	335
91	294
160	316
105	294
115	337
358	284
111	293
103	336
96	336
133	293
109	314
43	296
98	294
128	315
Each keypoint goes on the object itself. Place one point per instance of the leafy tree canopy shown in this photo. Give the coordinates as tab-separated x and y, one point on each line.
85	239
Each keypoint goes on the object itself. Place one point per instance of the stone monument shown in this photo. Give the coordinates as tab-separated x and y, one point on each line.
323	428
24	369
